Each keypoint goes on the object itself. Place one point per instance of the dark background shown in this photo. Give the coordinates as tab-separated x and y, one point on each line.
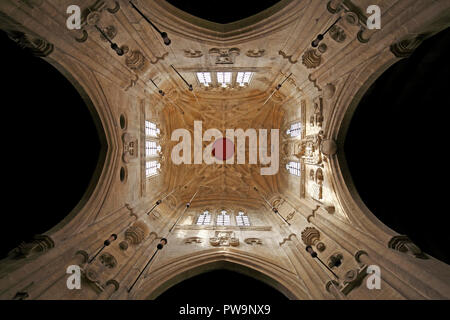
50	145
394	148
221	286
222	12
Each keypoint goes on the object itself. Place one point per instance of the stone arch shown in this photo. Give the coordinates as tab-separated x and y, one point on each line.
106	169
340	118
175	271
351	96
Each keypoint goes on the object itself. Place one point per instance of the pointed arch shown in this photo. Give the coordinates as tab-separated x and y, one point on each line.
163	277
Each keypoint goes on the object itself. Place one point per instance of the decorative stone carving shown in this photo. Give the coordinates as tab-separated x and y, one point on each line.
39	244
358	255
132	82
285	56
252	241
137	232
330	209
335	260
322	48
406	47
289	238
403	244
316	191
314	82
224	55
290	216
108	260
84	254
337	33
318	112
332	284
134	60
93	18
193	240
23	293
130	147
256	53
114	9
311	59
320	246
328	147
224	239
333	6
110	32
353	279
192	53
309	149
319	176
91	274
123	245
329	90
351	18
162	57
38	47
310	236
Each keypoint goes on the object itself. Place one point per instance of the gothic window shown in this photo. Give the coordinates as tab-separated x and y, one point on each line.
243	77
293	168
223	219
151	129
242	219
151	168
204	78
151	148
204	219
295	130
224	78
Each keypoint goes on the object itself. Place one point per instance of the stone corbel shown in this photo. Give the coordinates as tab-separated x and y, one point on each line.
403	244
311	237
39	244
130	147
406	47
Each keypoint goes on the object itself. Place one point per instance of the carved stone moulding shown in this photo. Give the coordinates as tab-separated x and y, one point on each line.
110	32
224	55
256	53
403	244
311	59
130	147
329	90
337	34
193	240
406	47
224	238
39	244
311	236
108	260
38	47
252	241
134	60
288	57
137	232
192	53
353	279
